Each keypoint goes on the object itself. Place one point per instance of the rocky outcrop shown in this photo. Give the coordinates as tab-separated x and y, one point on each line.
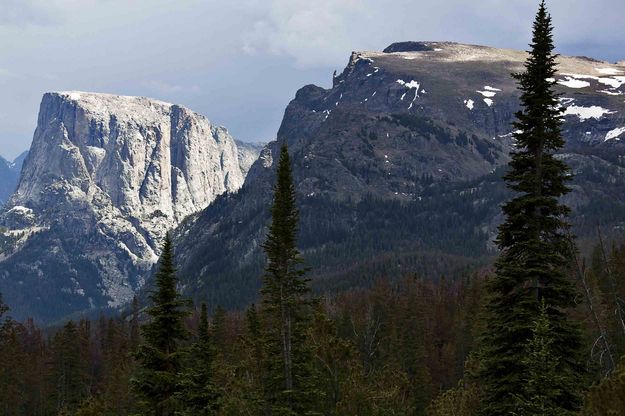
106	177
408	47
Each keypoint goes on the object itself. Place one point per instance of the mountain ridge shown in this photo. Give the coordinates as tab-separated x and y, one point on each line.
397	166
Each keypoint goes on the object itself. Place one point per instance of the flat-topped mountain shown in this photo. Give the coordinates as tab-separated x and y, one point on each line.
106	177
398	169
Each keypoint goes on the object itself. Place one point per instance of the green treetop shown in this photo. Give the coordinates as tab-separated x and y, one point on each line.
158	356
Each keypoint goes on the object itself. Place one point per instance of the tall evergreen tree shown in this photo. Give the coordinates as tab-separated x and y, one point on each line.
252	368
11	360
68	369
198	394
218	330
159	356
535	248
134	325
285	306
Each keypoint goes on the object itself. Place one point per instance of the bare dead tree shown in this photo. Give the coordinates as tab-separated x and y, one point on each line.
618	301
602	339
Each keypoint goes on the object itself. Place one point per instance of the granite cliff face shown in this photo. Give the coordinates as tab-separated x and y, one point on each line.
106	177
398	169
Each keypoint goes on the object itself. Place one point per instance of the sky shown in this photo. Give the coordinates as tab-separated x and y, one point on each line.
240	62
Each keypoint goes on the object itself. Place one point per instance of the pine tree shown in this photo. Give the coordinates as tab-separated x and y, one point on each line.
12	361
219	331
159	356
462	400
285	306
542	380
535	247
246	393
118	366
253	344
198	394
69	369
134	325
335	358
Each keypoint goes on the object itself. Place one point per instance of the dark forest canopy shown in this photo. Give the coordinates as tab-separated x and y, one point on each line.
398	347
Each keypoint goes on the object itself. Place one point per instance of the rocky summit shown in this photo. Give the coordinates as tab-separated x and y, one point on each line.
106	177
399	167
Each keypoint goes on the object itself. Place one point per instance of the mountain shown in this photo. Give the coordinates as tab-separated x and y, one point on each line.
9	175
247	154
398	169
106	177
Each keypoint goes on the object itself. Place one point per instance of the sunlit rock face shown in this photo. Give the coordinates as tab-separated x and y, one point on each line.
106	177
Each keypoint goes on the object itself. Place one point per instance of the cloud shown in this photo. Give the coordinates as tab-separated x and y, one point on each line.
320	33
39	12
311	32
163	87
248	56
28	12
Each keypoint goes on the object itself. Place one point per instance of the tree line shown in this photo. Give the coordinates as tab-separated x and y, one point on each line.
402	347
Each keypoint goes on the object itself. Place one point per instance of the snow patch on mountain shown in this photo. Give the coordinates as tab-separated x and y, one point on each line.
614	134
585	113
488	94
609	71
579	80
614	82
574	83
410	85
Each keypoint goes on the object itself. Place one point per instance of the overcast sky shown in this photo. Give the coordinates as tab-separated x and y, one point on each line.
239	62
